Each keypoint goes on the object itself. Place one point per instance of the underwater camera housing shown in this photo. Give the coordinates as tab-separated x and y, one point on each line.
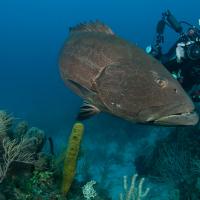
193	52
190	43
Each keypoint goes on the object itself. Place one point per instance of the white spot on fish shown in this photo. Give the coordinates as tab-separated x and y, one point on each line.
118	105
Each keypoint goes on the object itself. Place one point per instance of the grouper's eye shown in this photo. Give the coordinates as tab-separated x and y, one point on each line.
161	82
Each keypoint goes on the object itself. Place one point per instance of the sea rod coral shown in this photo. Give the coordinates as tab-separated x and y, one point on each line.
134	192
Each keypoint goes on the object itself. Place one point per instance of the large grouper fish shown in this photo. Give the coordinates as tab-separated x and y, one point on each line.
117	77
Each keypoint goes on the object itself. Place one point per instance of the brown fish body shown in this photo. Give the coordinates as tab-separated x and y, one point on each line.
118	77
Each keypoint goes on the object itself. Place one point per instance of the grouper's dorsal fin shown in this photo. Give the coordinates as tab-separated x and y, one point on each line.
96	26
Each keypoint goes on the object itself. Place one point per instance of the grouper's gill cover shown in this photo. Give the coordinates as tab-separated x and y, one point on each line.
119	78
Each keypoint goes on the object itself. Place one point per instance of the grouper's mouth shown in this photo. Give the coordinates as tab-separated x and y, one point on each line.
187	118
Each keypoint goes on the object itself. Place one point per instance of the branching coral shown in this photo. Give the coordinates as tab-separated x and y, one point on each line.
134	192
15	151
88	190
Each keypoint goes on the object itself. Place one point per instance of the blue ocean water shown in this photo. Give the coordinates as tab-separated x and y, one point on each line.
32	33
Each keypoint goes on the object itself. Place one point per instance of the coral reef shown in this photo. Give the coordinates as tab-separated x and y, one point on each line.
28	172
25	171
175	161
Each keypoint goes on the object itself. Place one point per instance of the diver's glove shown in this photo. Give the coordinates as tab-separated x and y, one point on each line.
180	52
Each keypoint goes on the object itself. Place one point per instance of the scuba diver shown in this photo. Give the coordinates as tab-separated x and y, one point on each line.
183	58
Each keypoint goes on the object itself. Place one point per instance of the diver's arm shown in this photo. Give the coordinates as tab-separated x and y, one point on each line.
167	20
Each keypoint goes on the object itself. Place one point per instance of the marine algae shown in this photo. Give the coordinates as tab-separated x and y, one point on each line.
71	155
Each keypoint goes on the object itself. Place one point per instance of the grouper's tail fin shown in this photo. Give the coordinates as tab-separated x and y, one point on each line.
96	26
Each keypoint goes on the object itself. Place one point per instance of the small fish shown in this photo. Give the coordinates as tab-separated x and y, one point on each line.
117	77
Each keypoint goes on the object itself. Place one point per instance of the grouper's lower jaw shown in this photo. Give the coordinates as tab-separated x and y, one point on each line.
186	119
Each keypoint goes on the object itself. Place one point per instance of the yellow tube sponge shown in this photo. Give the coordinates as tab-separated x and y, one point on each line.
71	155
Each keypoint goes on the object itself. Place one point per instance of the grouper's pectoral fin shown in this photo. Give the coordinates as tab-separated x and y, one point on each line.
87	110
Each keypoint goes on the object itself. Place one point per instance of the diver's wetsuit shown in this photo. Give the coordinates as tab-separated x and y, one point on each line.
187	69
186	72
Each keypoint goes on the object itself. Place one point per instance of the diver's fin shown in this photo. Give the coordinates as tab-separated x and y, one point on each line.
87	110
96	26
